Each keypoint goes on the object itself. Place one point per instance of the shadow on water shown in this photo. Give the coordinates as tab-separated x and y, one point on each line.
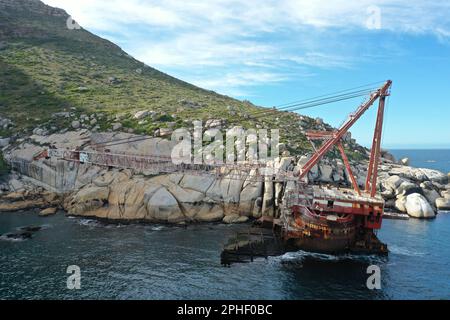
321	276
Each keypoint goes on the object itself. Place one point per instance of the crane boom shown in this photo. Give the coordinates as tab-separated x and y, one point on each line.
336	137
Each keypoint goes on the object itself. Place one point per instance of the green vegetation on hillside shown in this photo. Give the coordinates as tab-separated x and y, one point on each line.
45	68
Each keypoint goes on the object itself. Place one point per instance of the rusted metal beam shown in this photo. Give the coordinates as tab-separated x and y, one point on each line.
319	135
349	169
372	175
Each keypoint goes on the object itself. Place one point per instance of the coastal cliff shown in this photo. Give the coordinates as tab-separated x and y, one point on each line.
133	195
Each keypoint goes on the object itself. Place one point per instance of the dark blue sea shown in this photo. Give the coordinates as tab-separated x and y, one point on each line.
431	159
162	262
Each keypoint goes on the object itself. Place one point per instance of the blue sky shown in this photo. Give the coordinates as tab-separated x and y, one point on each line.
274	52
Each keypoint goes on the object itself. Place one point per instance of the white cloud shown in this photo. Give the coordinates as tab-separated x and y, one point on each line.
230	45
255	16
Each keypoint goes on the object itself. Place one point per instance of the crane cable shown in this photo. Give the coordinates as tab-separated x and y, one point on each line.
324	97
373	84
316	103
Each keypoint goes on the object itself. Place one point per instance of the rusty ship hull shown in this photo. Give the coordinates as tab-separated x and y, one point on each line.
332	220
328	221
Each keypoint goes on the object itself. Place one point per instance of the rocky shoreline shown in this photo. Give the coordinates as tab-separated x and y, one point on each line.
129	195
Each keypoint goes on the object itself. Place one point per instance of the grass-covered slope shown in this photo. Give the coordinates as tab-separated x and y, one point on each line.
47	68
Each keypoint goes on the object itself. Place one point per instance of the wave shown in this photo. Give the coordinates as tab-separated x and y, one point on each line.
90	223
157	228
404	251
300	256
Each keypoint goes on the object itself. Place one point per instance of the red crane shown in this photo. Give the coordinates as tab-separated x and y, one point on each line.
334	138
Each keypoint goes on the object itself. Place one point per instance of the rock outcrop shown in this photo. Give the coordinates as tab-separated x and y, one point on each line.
177	198
174	198
28	199
443	204
418	207
48	212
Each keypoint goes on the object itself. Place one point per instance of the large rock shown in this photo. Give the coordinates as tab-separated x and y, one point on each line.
400	204
16	185
213	123
443	204
92	193
252	190
339	172
136	146
141	114
4	142
435	176
407	188
185	195
75	124
68	140
126	200
88	201
268	198
404	161
419	174
388	194
231	186
418	207
104	180
326	173
197	183
163	206
392	183
164	132
429	192
234	218
386	155
257	208
48	212
208	213
313	173
116	126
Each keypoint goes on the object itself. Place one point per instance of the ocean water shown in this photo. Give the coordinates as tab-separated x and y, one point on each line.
431	159
163	262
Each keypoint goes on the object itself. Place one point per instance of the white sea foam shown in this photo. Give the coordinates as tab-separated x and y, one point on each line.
157	228
89	223
404	251
299	256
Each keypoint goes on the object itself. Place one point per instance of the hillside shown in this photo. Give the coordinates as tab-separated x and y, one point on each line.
46	68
